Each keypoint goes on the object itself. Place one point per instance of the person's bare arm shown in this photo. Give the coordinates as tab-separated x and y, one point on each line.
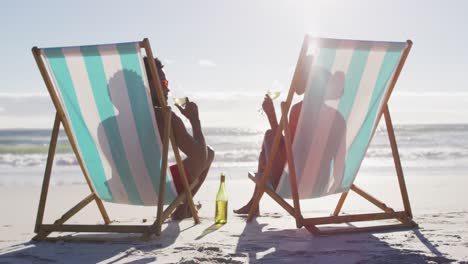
190	145
269	110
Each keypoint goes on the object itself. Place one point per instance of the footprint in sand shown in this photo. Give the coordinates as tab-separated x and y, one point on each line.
201	249
183	248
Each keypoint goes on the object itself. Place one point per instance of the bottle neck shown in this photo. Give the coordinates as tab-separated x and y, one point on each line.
221	196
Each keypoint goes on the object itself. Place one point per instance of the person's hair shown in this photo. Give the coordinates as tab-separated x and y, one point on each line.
159	66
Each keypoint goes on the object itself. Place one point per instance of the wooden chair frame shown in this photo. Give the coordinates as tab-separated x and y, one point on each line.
43	230
312	224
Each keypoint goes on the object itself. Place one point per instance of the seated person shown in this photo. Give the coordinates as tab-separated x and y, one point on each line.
280	157
199	155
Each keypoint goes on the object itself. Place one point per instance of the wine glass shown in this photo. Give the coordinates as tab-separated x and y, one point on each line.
273	95
181	101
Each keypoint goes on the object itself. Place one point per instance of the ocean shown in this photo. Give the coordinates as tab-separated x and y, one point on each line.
23	153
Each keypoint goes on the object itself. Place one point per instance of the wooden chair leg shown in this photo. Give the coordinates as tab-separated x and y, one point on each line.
292	168
340	203
396	159
103	211
75	209
312	229
47	173
186	186
372	199
179	199
162	182
260	186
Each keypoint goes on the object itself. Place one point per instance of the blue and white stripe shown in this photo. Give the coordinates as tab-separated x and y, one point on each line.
368	68
104	92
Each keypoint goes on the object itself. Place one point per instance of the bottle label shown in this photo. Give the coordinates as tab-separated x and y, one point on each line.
221	212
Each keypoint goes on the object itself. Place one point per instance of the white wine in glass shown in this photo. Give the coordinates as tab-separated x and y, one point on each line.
273	94
181	101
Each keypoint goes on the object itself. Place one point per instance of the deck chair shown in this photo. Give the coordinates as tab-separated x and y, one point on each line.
347	86
102	98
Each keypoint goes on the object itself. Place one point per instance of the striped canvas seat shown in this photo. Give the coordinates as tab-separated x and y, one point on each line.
105	95
347	88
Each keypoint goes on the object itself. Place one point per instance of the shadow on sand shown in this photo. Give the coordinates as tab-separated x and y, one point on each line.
257	243
111	248
264	244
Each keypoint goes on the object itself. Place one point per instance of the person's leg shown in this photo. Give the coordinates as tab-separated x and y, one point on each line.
196	168
246	208
206	165
262	160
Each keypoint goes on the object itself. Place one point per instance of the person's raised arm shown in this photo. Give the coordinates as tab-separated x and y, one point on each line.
187	143
269	110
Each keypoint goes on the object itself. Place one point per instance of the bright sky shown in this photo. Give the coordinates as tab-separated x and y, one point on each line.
226	54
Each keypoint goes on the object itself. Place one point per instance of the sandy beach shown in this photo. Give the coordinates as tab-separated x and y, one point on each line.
437	203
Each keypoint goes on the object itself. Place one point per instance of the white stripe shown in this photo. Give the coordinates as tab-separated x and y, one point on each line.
87	104
126	123
366	87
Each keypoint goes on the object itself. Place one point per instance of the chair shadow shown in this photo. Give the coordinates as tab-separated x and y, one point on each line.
427	243
264	244
107	247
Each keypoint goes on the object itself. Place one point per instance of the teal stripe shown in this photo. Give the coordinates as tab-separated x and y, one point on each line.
100	88
169	193
359	146
326	58
88	148
353	78
315	94
138	96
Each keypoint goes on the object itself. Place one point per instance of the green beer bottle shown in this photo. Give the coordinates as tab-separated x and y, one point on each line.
221	203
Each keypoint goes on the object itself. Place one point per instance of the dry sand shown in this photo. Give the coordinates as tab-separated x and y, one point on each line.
439	206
